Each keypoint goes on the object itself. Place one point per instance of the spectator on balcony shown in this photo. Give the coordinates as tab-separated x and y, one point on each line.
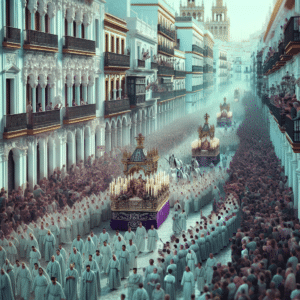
297	107
74	103
49	106
39	108
82	101
293	111
29	107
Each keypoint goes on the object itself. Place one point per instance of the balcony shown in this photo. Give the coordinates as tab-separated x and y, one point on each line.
141	63
208	69
43	121
77	114
116	61
197	49
223	58
197	69
15	126
37	40
179	73
114	107
223	67
179	93
197	87
278	114
292	131
164	70
154	65
75	45
12	38
164	96
166	32
165	50
292	36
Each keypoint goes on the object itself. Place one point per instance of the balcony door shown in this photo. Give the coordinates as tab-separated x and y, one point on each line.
9	96
10	171
8	12
37	21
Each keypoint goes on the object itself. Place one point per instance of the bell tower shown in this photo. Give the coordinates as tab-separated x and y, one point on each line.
192	10
219	25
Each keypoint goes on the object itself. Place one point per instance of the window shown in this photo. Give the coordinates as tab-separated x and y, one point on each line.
106	43
82	31
8	10
111	89
106	90
138	52
47	23
66	27
123	46
66	95
37	21
28	93
27	19
112	44
74	29
117	45
8	96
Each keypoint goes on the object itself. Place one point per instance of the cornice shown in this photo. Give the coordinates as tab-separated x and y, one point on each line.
155	4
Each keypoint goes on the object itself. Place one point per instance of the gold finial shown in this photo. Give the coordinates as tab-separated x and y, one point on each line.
206	118
225	100
140	141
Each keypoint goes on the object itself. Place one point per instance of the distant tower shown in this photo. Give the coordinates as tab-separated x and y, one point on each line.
219	25
191	10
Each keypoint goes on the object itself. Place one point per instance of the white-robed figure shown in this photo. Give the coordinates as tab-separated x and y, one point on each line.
103	237
200	277
71	283
56	232
183	218
39	286
3	256
89	285
152	279
188	283
106	252
116	237
129	235
133	283
177	228
25	278
152	239
35	256
98	257
9	269
6	291
140	237
191	260
89	247
54	290
210	263
78	244
94	267
124	263
11	252
118	246
53	269
140	293
49	242
170	284
133	253
17	268
113	273
94	238
158	293
76	259
59	258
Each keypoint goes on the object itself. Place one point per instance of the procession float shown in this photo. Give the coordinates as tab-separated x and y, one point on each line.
142	195
236	95
224	117
206	149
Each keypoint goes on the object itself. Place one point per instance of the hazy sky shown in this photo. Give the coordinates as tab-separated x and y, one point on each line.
246	16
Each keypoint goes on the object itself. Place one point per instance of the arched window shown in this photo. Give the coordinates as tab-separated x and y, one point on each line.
194	15
183	14
188	14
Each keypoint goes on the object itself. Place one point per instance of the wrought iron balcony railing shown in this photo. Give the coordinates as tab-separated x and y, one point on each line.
12	35
79	113
41	39
279	115
292	36
198	49
223	57
179	73
179	93
15	125
165	49
292	129
163	95
154	65
163	70
167	32
141	63
116	106
197	69
197	87
43	119
71	43
116	60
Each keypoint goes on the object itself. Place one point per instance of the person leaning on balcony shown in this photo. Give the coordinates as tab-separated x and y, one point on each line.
82	102
29	108
74	103
39	108
49	106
